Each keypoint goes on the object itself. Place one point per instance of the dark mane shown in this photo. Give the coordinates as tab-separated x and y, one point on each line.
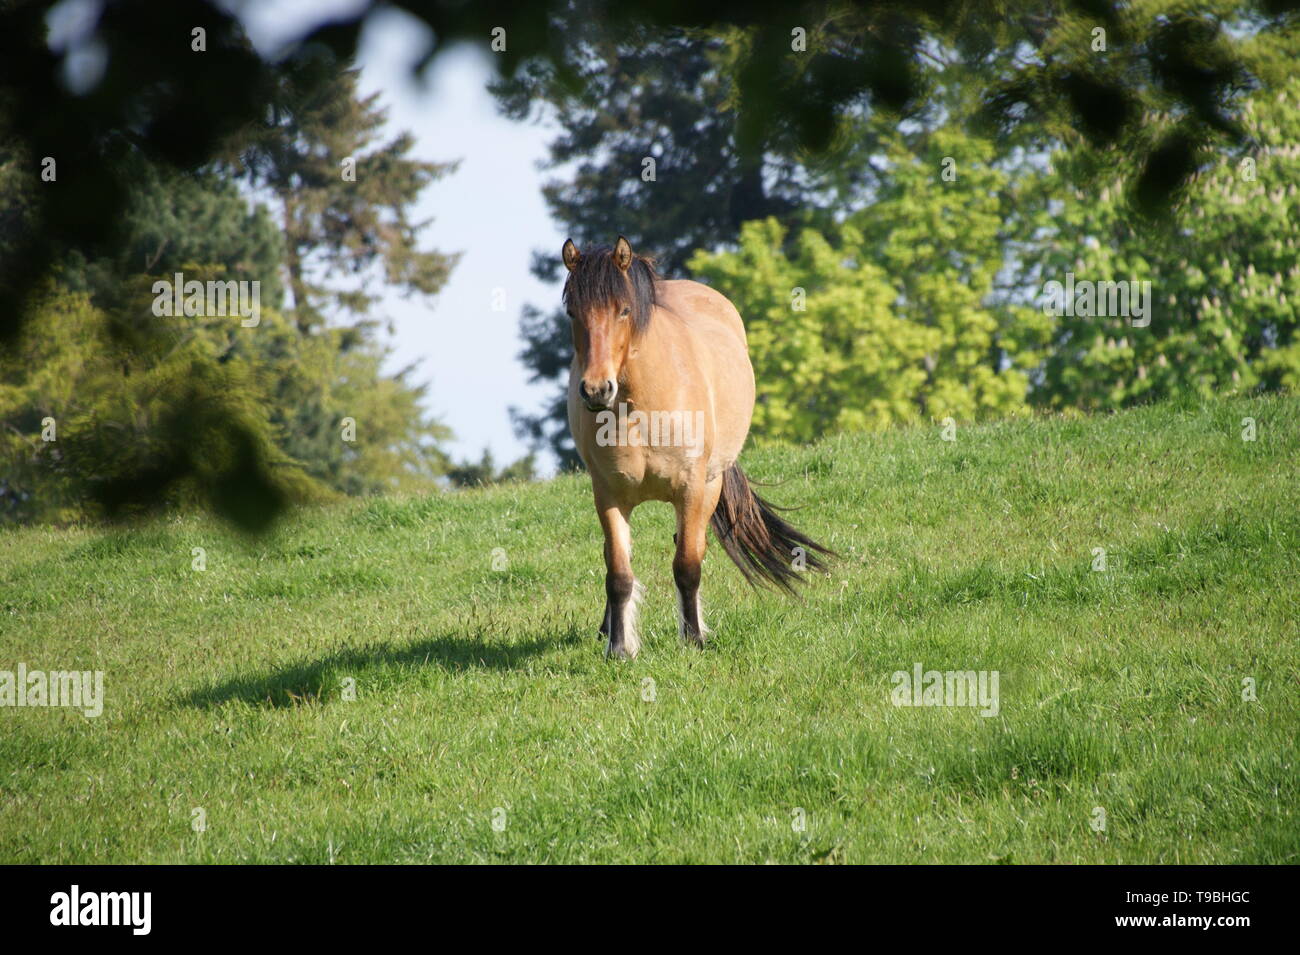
599	281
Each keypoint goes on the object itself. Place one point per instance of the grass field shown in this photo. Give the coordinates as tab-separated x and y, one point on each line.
486	725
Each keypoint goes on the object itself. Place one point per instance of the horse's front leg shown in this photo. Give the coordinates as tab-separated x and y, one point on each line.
694	509
622	591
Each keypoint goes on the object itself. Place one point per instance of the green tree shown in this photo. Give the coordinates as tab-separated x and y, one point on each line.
1223	273
344	200
344	203
712	107
484	472
317	404
94	425
892	316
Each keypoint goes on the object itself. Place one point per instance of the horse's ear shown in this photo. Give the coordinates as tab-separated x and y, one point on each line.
571	255
623	253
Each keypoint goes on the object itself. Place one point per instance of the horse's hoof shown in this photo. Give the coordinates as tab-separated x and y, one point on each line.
621	653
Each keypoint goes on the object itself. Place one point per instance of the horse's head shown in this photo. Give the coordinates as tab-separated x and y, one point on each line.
609	296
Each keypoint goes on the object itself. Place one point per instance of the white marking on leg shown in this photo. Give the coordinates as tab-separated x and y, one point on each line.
631	626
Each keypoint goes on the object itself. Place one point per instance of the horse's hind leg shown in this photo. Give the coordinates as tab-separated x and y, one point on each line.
622	592
693	512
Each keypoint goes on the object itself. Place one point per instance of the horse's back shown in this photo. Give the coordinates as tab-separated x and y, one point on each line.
712	331
700	306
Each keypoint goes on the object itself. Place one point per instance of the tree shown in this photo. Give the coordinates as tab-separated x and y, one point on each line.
316	403
344	203
484	473
159	103
894	317
94	426
750	122
1224	283
175	219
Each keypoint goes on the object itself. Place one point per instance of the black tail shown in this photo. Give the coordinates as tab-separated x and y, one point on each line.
765	548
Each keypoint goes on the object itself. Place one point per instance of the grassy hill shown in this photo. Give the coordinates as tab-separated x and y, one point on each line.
481	694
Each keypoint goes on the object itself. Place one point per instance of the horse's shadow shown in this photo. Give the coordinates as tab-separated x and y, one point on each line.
311	681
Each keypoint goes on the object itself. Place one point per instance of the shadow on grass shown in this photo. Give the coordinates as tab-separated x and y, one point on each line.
322	680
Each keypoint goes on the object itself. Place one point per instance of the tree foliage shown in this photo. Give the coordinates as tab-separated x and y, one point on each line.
747	121
892	316
92	418
1223	273
748	126
153	410
343	200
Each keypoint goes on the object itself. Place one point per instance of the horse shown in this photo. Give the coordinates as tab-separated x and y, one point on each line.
660	397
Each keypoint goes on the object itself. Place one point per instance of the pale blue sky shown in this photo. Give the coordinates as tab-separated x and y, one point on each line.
490	210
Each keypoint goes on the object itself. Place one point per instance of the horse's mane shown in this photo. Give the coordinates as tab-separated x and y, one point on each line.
598	280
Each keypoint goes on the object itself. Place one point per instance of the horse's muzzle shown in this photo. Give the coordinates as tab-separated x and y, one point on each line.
599	397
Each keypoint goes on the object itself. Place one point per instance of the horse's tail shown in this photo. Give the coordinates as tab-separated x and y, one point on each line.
763	545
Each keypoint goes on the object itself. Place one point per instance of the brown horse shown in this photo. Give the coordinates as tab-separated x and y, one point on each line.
660	396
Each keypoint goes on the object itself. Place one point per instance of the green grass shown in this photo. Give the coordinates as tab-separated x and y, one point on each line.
478	689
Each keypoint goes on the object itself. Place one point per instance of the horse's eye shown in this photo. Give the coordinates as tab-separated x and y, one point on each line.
627	310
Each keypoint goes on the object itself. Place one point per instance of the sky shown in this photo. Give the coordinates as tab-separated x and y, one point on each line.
490	210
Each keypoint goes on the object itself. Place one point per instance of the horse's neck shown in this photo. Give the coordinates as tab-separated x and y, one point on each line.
648	359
